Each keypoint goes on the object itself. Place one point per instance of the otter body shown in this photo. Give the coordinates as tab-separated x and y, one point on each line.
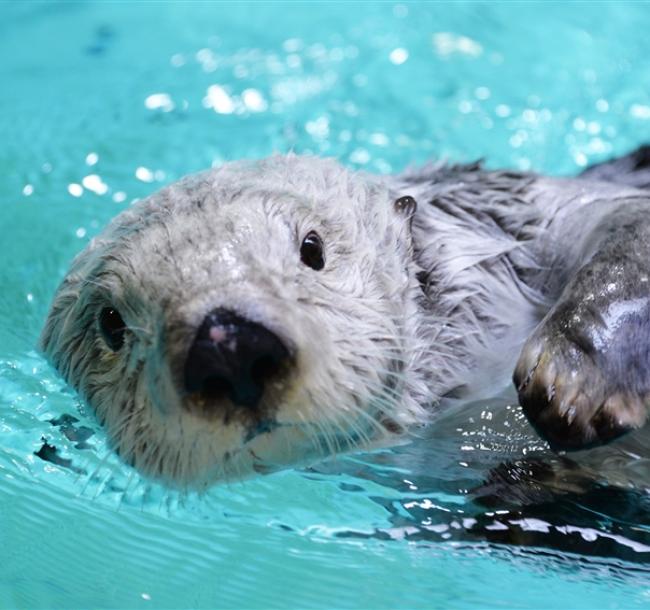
269	313
556	267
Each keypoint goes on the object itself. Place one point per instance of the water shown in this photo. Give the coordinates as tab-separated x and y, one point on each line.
101	103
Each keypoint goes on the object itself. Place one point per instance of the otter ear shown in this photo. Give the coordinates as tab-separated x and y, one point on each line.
406	206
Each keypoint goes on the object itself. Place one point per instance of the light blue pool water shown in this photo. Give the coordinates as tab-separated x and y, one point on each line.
102	103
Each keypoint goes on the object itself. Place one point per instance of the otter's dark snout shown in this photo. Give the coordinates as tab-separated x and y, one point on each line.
233	357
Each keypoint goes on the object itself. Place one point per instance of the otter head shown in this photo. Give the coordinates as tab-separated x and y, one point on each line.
251	317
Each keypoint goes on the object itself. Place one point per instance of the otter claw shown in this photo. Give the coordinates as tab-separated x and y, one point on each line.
568	397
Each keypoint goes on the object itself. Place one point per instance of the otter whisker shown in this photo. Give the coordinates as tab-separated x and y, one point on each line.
91	475
123	495
325	435
313	437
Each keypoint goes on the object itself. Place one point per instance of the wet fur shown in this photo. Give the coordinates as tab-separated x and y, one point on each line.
412	312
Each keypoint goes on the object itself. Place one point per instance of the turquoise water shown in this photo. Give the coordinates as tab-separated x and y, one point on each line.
101	103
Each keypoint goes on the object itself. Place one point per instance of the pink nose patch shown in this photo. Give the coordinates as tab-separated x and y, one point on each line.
217	334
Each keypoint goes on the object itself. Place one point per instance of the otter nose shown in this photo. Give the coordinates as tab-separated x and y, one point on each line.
234	357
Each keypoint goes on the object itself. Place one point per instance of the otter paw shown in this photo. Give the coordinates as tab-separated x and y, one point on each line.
566	394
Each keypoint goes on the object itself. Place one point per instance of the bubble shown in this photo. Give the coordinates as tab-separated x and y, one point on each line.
253	100
360	155
76	190
580	158
291	45
593	128
294	61
398	56
94	183
177	60
159	101
482	93
640	111
144	174
446	43
218	99
579	124
319	128
379	139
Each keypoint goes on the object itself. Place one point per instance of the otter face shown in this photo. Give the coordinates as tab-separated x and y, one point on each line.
248	318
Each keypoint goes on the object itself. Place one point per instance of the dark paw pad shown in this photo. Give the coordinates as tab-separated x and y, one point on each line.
567	397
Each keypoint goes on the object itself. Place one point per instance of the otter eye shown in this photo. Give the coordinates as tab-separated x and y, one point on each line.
112	327
311	251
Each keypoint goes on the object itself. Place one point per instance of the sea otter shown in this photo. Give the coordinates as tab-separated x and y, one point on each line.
269	313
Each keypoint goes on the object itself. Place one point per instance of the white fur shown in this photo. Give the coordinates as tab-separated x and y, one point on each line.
406	310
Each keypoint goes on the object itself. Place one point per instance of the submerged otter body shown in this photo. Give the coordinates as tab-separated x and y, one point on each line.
270	313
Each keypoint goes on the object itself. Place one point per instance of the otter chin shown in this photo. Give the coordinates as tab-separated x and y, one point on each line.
272	313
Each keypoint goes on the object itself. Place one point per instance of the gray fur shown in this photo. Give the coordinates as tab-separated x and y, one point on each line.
410	312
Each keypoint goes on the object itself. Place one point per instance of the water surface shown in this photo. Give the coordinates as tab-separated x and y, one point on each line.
102	103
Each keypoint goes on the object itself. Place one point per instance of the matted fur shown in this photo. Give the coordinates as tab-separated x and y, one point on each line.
408	311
